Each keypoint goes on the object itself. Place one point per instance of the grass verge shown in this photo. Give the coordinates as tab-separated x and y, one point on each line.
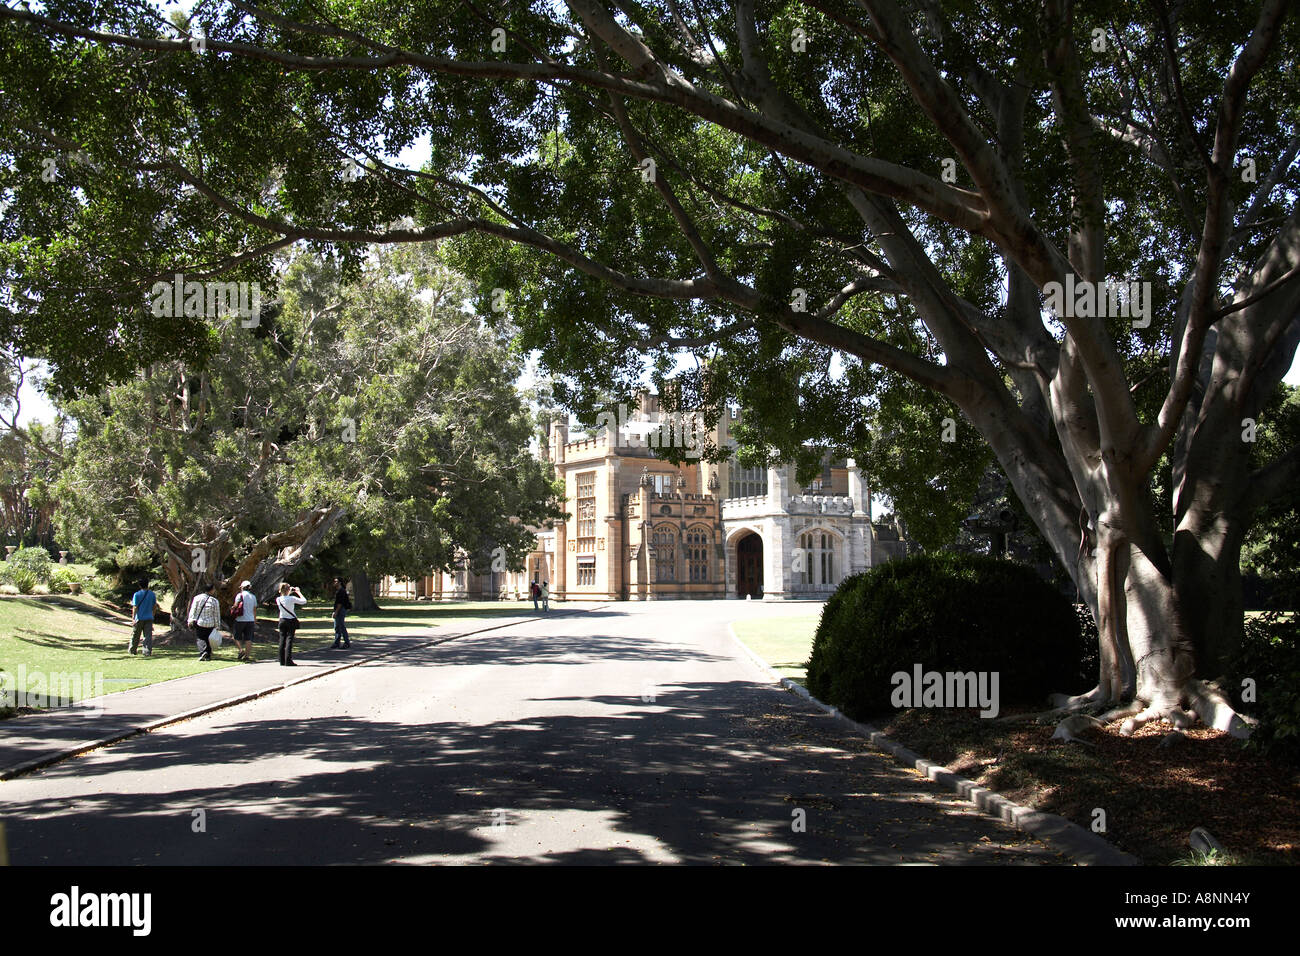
785	642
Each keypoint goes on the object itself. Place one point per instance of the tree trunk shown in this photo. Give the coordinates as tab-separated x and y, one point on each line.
268	562
363	597
1212	514
1207	581
185	584
276	556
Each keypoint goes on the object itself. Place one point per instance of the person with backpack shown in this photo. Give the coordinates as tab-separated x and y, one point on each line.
288	602
143	603
536	592
204	618
244	612
342	604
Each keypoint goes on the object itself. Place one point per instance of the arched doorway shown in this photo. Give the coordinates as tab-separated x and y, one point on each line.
749	566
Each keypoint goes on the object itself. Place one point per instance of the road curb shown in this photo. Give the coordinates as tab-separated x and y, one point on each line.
39	763
1080	844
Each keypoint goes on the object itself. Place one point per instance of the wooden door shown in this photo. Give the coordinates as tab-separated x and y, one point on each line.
749	566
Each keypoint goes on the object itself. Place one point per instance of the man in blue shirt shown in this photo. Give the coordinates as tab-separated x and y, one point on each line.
143	603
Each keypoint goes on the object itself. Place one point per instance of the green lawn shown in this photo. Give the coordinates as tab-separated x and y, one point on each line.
397	618
78	635
785	643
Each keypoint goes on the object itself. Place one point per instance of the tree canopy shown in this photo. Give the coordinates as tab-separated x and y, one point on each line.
381	405
856	214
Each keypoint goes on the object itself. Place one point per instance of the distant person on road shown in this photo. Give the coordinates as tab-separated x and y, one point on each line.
546	596
143	603
244	612
535	590
289	600
204	617
342	604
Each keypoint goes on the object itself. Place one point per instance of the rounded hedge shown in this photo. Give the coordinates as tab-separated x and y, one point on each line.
947	612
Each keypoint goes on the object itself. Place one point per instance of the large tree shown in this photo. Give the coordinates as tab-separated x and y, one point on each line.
821	198
380	405
30	457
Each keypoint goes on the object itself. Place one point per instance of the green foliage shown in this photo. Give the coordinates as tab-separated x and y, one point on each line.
195	161
946	612
24	579
103	588
62	580
925	457
1270	555
380	402
1270	659
29	460
35	561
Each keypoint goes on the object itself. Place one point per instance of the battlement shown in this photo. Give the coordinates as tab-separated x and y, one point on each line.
820	504
584	444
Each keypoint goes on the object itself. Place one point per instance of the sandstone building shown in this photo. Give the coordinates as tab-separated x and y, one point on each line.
643	529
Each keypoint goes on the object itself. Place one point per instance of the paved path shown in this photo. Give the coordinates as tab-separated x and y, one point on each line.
631	733
34	740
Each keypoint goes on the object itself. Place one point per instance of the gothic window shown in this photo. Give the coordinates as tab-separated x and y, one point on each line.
746	482
663	484
804	574
587	512
698	542
817	560
665	545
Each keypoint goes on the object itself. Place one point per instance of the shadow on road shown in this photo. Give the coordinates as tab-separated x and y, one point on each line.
706	772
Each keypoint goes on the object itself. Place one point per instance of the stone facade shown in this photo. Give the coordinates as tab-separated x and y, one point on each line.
643	529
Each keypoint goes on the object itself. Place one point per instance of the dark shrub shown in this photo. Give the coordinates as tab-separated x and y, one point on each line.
1270	657
946	612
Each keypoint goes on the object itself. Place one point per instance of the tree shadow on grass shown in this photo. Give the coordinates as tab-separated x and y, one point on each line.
65	642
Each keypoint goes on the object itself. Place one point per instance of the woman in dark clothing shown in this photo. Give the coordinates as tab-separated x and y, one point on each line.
288	602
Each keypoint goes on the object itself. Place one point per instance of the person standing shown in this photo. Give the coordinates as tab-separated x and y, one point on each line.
546	596
536	591
245	615
204	617
143	603
288	603
342	604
